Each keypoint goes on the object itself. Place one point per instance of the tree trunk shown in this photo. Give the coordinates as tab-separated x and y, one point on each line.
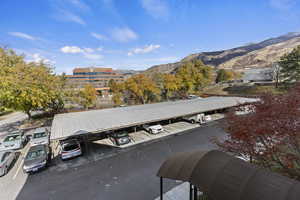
28	114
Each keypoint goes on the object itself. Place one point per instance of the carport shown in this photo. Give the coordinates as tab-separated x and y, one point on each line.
97	121
222	176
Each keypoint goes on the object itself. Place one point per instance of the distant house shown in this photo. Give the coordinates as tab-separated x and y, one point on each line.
258	75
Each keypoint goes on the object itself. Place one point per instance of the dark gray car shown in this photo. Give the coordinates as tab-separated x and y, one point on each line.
36	158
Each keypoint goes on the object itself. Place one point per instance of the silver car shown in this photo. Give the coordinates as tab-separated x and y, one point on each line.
70	148
36	158
40	136
13	141
6	160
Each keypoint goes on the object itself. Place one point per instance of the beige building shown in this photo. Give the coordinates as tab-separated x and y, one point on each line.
98	77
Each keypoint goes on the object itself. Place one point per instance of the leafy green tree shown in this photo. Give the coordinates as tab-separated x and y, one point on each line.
28	86
224	75
88	96
142	88
290	66
193	76
117	90
170	85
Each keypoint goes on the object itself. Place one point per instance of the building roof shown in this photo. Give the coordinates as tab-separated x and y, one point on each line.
93	69
222	176
68	124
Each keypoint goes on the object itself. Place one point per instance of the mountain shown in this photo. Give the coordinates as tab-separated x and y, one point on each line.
253	55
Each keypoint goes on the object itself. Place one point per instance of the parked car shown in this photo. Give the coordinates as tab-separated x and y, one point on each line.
6	160
198	118
120	138
155	129
192	96
14	141
70	148
36	158
207	118
40	136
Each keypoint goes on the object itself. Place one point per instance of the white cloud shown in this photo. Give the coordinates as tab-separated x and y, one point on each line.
99	36
22	35
64	15
123	34
158	9
146	49
86	52
71	49
80	4
36	57
283	5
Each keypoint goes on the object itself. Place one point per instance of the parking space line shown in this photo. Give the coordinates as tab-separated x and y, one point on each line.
20	166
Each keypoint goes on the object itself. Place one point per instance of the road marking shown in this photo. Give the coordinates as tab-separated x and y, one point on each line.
20	166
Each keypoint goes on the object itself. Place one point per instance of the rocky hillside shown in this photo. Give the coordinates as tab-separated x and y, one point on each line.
254	55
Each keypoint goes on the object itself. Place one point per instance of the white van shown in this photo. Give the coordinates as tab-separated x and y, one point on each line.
155	129
198	118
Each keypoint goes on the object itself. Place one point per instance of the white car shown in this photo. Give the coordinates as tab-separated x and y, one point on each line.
40	136
155	129
13	141
6	159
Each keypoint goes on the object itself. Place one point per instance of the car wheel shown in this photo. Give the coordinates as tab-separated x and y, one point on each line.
5	170
193	121
150	131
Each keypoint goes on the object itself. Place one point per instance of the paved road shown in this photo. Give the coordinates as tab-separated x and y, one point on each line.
129	175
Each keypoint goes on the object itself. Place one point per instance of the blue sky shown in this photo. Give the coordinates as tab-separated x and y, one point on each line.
136	34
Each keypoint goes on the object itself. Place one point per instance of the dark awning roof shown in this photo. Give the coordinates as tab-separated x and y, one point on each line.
223	176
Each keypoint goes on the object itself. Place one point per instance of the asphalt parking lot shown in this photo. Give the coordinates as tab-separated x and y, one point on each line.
99	150
129	174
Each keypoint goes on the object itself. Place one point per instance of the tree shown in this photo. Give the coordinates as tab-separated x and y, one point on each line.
290	66
170	85
268	134
193	76
28	86
116	89
142	88
88	96
224	75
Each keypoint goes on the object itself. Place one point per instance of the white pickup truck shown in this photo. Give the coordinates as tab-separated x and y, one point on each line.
155	129
198	118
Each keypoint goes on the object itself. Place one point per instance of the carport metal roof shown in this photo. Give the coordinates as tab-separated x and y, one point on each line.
223	176
68	124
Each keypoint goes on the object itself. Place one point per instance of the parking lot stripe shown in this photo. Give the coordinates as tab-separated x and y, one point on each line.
20	166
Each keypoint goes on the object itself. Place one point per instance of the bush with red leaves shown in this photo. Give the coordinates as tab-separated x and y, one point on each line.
269	135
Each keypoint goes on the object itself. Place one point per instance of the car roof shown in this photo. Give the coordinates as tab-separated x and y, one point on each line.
37	147
70	141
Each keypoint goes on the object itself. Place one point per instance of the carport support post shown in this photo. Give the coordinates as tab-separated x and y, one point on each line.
195	193
191	192
86	144
161	188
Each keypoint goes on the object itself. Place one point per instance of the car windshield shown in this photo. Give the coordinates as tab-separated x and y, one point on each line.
12	138
70	147
39	135
119	135
35	154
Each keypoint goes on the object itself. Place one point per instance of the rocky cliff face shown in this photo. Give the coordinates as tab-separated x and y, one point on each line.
255	55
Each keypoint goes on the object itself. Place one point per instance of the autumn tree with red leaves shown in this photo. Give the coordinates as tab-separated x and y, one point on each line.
269	135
